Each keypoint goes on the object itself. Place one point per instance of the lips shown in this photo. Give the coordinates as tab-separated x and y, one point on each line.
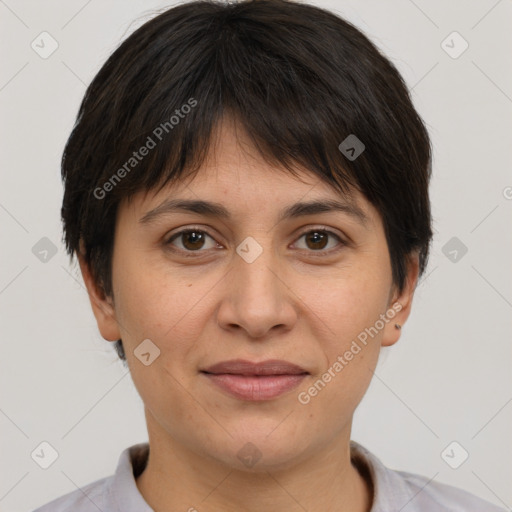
250	381
243	367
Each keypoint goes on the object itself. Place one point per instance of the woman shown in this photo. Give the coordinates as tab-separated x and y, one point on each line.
246	190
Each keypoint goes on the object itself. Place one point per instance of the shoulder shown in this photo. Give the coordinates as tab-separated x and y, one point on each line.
431	495
397	490
89	498
115	493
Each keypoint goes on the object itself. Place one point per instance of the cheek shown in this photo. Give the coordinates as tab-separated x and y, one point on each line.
350	306
165	309
163	304
350	301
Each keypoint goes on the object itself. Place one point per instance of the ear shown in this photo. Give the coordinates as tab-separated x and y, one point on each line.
102	306
401	304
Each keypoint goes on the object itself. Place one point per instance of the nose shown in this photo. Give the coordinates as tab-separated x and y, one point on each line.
256	296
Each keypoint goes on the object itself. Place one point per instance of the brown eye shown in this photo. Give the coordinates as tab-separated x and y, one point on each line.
192	240
317	240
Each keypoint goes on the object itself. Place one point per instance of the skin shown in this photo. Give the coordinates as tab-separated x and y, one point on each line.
287	304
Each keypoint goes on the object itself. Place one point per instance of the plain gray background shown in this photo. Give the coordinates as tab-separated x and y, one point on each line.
449	377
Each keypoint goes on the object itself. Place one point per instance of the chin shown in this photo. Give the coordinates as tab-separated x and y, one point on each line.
259	449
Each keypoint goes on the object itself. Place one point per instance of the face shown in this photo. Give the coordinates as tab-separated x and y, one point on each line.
255	286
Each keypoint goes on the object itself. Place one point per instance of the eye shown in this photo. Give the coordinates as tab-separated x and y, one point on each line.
317	239
191	240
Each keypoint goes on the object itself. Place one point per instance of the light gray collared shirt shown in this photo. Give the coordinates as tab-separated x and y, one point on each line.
394	491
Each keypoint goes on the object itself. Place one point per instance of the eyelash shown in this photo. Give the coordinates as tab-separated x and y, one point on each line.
193	229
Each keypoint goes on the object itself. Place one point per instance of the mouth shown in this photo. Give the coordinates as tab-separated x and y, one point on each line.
250	381
249	368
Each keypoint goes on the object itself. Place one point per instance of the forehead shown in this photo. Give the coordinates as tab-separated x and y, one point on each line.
236	177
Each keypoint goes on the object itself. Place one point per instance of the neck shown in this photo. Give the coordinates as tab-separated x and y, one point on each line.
176	478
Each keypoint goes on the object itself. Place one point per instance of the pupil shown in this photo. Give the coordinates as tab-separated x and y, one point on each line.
322	236
195	237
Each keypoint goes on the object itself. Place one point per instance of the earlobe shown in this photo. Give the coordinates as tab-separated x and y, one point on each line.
102	305
400	306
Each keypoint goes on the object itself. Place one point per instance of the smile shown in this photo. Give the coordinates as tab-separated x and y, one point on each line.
255	387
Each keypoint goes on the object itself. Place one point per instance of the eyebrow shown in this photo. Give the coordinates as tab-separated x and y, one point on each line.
218	210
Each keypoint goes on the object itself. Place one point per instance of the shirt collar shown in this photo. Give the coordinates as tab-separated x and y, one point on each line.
389	489
124	494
